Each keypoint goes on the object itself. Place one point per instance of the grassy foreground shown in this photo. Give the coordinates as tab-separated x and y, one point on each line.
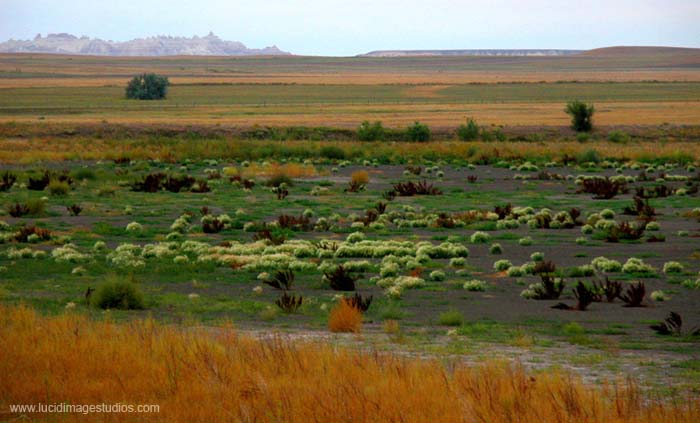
216	375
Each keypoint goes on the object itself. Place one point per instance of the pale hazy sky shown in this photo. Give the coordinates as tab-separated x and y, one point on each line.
332	27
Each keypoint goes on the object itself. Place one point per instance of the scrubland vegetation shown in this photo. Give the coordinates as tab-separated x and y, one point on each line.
368	264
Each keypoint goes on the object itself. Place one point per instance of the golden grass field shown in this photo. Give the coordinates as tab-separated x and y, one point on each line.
640	87
215	374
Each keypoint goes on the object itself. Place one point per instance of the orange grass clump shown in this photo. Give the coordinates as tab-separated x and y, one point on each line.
345	318
360	177
213	375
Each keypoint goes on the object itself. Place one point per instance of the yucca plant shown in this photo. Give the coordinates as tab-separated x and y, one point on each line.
7	180
289	303
283	279
584	295
611	289
603	188
634	295
17	209
74	210
359	302
673	325
341	279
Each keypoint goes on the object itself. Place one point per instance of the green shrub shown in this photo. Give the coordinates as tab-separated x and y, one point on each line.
619	137
589	156
451	318
583	137
278	179
58	188
147	86
370	131
83	173
118	294
581	115
496	249
468	131
332	152
418	132
36	206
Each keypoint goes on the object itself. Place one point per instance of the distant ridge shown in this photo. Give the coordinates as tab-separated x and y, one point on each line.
63	43
477	52
641	51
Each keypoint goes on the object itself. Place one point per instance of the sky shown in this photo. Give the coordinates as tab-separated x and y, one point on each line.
346	28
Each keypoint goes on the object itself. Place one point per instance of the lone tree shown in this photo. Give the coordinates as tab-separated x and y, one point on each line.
147	86
581	115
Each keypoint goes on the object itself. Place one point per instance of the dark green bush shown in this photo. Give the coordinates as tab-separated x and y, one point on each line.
581	115
370	131
278	179
589	156
332	152
618	137
418	132
83	173
118	294
147	86
468	131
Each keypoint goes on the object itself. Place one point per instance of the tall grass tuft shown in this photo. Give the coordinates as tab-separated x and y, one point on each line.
345	317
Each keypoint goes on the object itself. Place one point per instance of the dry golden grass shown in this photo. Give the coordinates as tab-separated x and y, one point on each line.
292	170
23	150
392	115
359	177
216	375
345	318
353	78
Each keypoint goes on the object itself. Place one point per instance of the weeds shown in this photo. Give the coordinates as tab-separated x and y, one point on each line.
7	180
74	210
289	303
341	279
603	188
410	188
283	279
611	289
345	317
634	295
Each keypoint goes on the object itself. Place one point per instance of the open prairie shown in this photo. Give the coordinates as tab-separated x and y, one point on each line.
245	244
645	87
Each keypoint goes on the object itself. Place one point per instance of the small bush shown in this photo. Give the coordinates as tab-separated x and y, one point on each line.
618	137
340	279
634	295
437	275
475	285
370	131
496	249
345	318
332	152
581	115
451	318
147	86
118	294
418	132
83	173
358	181
468	131
289	303
479	237
58	188
278	179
